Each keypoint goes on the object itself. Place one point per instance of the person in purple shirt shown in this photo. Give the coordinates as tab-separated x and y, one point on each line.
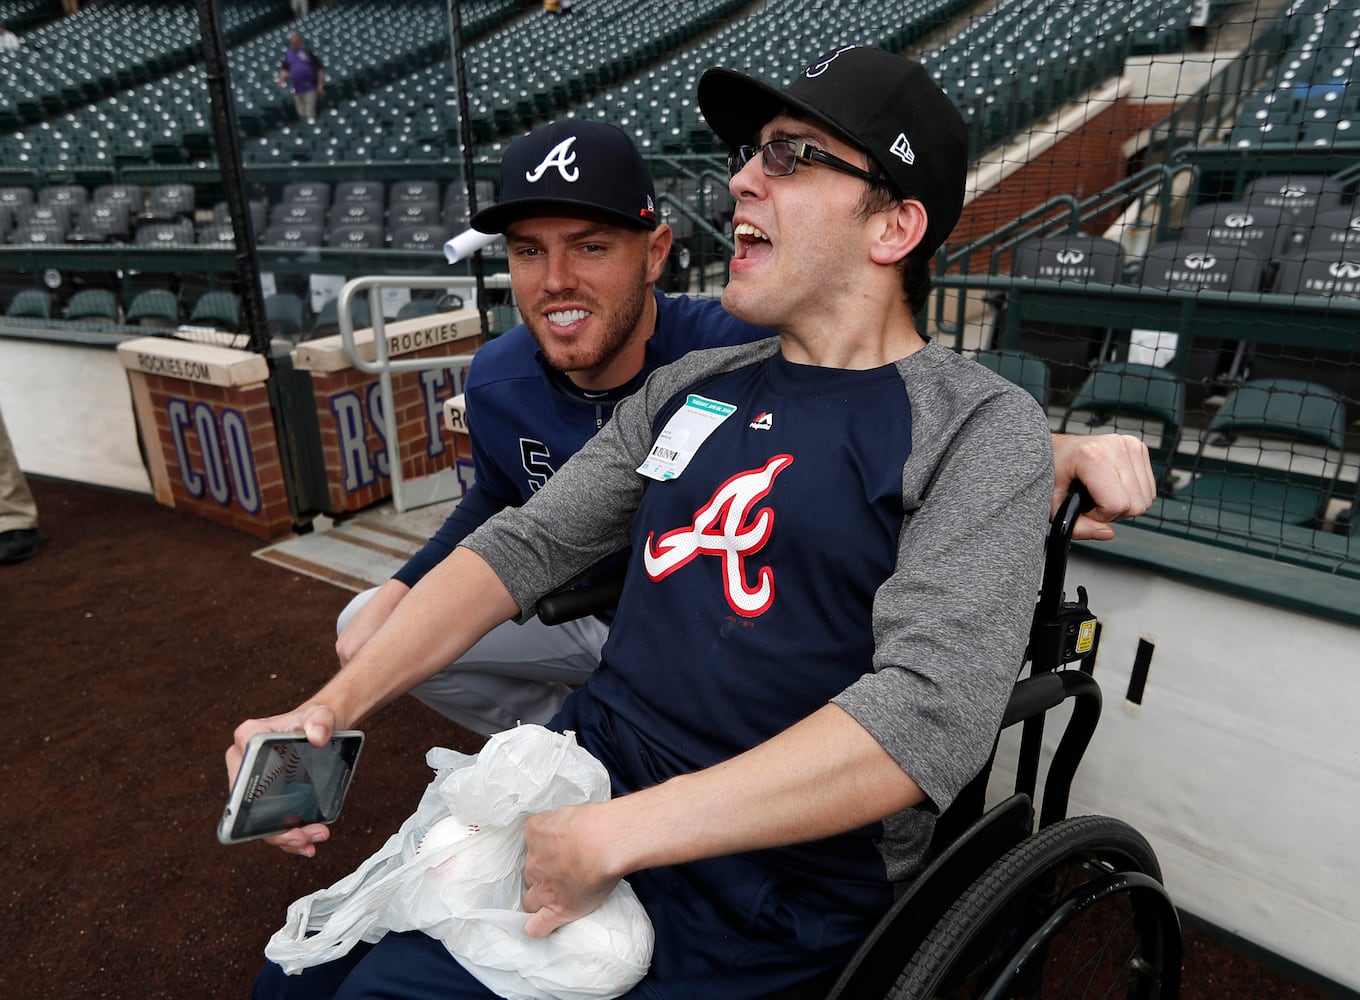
302	69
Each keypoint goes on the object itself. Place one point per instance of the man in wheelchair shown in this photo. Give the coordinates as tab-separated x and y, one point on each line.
836	542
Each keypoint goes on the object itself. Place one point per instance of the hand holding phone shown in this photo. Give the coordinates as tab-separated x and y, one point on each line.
285	782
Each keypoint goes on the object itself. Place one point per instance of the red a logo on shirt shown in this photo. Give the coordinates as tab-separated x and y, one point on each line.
723	527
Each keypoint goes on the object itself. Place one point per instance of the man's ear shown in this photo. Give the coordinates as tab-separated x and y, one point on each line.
903	228
658	249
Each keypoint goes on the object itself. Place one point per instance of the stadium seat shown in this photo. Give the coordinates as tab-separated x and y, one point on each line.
327	322
1029	371
1298	196
1334	229
165	234
296	235
259	215
1282	437
361	236
1263	229
284	315
413	213
170	203
1075	259
219	310
1145	392
215	234
297	214
93	304
408	192
355	213
102	222
32	303
74	196
1326	274
1191	265
419	307
128	194
17	197
154	307
431	237
306	193
55	216
36	235
347	192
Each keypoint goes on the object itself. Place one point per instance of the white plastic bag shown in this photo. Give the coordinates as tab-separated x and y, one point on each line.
455	871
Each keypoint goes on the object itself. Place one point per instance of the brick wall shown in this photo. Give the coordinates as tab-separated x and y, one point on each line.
349	407
1080	153
205	419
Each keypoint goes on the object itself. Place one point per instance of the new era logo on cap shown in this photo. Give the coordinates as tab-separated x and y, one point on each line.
901	148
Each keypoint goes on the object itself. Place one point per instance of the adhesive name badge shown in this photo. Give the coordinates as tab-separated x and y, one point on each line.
686	430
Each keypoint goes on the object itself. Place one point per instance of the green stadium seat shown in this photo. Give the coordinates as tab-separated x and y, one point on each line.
284	315
32	303
1029	371
156	307
219	310
1297	430
93	304
1142	391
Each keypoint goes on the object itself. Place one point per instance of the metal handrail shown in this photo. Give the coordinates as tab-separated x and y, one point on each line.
384	366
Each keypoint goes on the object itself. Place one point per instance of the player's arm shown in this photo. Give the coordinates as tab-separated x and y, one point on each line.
470	513
418	639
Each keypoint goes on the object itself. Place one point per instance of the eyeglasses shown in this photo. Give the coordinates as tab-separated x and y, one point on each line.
780	157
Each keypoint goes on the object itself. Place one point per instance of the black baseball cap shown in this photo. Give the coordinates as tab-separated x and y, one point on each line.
572	164
885	104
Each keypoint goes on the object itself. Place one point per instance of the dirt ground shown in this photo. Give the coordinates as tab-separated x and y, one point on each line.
131	645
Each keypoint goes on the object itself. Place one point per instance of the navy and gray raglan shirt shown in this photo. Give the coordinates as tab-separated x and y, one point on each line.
867	538
526	420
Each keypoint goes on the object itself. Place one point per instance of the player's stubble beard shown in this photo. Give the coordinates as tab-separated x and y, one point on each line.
618	327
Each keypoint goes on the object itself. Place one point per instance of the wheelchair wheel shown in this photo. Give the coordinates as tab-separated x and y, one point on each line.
1077	910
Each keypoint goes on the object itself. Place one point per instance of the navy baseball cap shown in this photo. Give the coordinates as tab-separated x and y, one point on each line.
572	164
884	104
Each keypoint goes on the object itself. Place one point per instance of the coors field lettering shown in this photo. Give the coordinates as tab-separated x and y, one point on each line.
224	444
357	421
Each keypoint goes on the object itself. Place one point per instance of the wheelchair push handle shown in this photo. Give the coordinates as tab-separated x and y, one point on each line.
1062	631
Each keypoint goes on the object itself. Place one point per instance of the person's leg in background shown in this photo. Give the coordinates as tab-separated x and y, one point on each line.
19	534
306	104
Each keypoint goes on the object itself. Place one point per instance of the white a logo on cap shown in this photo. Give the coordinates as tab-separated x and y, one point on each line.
901	148
561	157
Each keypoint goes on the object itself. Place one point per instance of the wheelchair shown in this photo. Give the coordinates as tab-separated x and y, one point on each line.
1013	901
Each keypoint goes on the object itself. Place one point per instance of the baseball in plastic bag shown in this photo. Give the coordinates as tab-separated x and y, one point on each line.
454	870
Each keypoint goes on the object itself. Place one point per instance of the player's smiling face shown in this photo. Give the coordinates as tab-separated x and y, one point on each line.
583	287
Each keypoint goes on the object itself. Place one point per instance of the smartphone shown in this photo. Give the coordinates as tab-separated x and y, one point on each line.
285	782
